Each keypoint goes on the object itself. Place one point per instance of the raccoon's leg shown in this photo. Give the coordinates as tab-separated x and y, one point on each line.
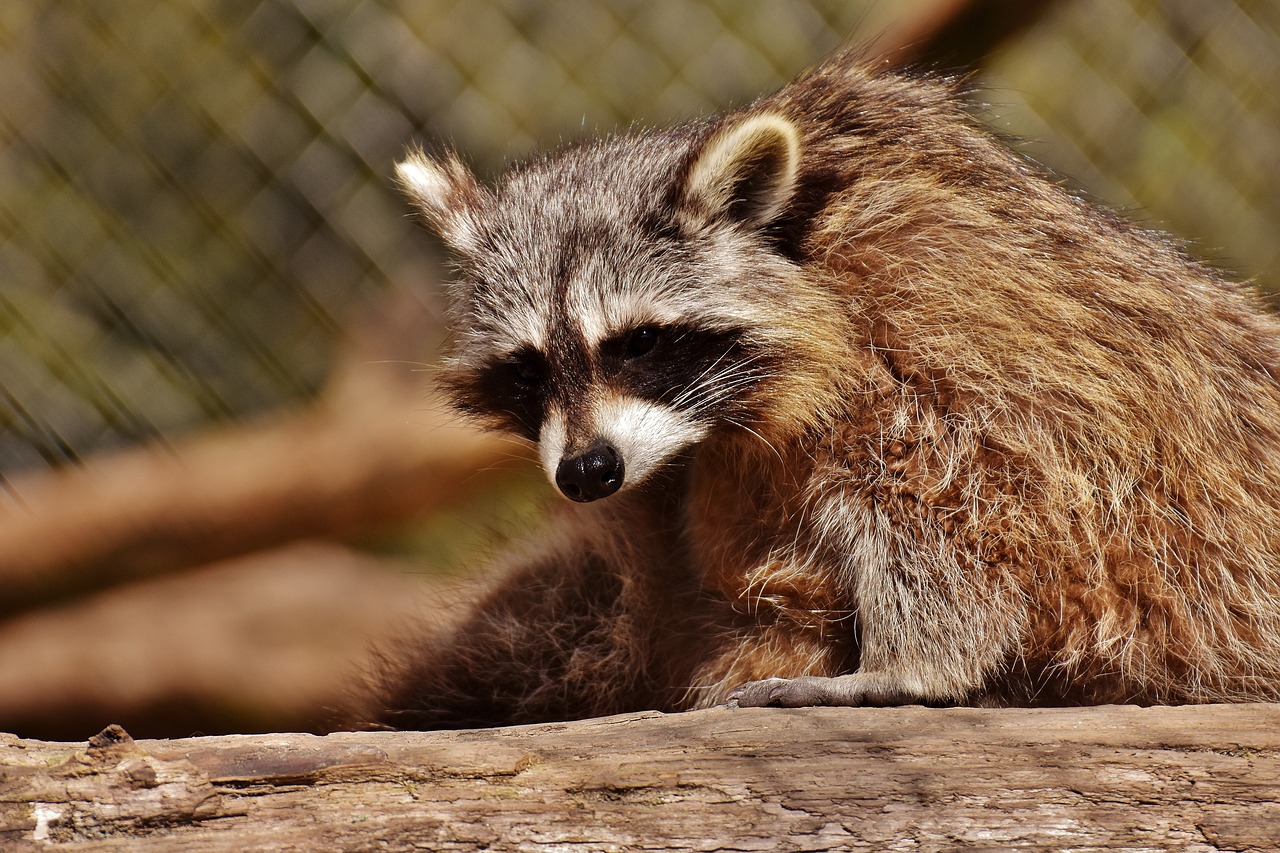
859	688
747	653
934	625
562	635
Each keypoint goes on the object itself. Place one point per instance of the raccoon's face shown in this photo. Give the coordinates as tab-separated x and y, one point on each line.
618	304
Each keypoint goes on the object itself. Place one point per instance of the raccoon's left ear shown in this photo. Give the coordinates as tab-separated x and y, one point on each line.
447	194
745	173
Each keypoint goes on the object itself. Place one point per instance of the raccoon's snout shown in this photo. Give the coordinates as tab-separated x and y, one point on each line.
592	475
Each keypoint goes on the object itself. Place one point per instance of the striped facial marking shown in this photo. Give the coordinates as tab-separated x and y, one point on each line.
644	434
643	384
552	442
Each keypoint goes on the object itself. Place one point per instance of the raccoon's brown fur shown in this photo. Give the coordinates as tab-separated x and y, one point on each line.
1018	452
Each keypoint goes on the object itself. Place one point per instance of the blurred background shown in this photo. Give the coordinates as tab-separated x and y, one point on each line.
222	473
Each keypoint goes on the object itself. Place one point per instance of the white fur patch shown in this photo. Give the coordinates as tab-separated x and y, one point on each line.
523	326
436	187
423	177
604	307
551	442
644	434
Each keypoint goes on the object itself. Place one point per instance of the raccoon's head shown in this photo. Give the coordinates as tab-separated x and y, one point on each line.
620	302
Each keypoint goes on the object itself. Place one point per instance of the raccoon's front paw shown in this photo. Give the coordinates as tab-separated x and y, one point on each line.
778	692
809	690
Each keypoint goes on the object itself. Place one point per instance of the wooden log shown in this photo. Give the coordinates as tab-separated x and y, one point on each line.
1201	778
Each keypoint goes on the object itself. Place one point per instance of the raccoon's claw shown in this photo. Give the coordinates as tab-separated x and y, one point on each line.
810	690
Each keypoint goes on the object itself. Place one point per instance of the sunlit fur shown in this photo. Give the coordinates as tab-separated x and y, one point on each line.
990	445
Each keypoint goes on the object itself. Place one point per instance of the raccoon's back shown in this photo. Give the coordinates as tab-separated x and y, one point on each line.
1092	416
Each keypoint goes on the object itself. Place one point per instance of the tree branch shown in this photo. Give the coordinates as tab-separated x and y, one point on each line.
957	34
369	455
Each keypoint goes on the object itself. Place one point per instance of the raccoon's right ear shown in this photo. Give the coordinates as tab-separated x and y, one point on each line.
746	172
447	195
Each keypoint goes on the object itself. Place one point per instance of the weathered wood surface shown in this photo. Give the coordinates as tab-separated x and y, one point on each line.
1111	778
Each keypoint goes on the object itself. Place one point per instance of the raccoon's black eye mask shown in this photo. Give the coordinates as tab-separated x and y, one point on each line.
511	389
663	363
705	372
635	343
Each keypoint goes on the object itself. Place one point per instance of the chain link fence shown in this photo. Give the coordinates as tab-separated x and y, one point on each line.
195	203
1168	110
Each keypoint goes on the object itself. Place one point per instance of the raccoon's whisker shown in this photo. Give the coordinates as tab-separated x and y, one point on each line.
764	440
724	389
710	367
729	370
702	381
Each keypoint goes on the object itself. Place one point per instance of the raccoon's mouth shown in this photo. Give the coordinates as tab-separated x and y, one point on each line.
628	439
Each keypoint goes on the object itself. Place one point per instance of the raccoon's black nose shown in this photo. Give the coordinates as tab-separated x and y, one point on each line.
593	475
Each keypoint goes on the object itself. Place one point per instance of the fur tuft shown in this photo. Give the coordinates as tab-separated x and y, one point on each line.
447	195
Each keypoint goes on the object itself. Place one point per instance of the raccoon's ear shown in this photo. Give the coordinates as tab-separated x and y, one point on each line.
746	172
447	195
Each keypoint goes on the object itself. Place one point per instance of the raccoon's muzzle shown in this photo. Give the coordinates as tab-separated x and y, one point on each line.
592	475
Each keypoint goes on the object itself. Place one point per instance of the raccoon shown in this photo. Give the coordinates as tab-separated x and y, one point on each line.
852	406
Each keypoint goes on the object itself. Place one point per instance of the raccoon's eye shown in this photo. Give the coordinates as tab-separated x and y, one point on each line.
526	374
641	341
521	372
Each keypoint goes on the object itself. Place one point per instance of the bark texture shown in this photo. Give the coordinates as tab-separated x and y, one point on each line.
1203	778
